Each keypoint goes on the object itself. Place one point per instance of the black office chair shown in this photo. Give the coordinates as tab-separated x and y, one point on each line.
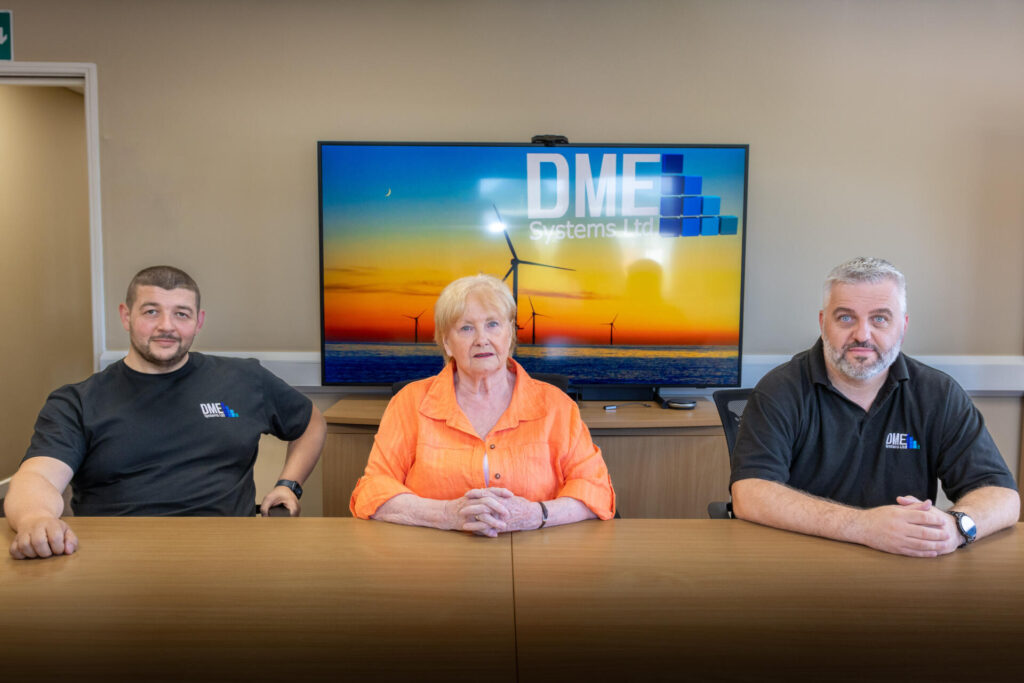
276	511
560	381
399	385
730	404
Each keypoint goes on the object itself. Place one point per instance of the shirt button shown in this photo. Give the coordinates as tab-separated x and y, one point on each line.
493	446
497	475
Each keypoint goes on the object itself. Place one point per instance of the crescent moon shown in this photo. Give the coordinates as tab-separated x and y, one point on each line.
388	193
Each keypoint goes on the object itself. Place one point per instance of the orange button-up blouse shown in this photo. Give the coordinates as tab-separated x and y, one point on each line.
540	449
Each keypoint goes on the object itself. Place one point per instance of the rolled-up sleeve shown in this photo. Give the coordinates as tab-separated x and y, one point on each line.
393	452
586	475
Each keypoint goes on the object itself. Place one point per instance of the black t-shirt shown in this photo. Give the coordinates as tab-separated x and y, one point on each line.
179	443
797	429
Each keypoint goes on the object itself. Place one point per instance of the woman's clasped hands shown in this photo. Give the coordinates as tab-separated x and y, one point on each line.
491	511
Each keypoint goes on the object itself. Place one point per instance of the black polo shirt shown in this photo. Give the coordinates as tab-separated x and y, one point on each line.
797	429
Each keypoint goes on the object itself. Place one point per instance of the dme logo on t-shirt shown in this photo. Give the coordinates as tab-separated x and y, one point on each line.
217	410
901	441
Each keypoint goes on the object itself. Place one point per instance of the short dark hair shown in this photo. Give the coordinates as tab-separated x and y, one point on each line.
164	277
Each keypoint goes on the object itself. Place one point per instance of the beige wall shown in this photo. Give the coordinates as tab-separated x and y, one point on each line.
44	256
1002	417
875	127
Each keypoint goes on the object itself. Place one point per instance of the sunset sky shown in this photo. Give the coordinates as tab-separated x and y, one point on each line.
401	222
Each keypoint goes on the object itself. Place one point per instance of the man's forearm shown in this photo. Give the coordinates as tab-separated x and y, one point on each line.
774	504
304	452
991	507
31	495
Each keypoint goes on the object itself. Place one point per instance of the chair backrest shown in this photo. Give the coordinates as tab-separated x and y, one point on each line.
730	404
398	386
560	381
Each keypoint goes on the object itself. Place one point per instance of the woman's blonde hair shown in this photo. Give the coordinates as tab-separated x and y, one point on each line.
451	304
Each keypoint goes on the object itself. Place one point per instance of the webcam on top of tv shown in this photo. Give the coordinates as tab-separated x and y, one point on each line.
549	140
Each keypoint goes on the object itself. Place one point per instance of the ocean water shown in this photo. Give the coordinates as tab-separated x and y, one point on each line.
656	366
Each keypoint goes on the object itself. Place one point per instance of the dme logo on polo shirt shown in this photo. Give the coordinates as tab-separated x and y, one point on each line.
217	410
901	441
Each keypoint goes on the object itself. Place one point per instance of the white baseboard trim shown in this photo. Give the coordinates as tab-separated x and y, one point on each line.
979	375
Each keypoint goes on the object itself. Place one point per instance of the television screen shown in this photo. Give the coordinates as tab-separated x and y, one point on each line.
626	261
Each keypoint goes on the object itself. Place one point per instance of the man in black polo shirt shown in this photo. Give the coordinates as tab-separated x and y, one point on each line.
162	432
850	438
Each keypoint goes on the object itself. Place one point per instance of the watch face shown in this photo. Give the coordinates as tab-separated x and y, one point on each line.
967	526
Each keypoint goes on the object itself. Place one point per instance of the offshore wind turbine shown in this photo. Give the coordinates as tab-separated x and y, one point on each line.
516	261
533	320
611	330
416	325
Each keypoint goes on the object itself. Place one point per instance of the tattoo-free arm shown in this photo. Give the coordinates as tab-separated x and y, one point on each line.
991	507
33	507
302	456
910	527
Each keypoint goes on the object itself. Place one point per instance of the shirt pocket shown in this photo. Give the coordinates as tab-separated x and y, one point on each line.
445	472
530	470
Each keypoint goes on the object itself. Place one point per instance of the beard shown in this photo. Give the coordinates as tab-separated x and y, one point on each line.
161	361
856	370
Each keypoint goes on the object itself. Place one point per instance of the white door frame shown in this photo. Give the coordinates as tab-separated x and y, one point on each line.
56	74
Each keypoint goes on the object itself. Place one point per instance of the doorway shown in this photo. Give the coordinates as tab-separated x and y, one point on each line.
47	233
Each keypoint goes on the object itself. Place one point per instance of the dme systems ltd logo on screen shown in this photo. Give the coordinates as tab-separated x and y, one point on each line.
675	205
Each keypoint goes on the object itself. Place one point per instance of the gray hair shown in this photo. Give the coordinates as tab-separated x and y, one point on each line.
451	304
866	269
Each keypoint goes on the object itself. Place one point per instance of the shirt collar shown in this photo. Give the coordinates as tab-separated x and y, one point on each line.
440	403
526	403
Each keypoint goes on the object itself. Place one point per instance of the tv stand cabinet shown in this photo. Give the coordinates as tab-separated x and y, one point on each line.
663	463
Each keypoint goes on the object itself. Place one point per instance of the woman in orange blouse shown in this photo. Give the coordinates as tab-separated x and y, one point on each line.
482	446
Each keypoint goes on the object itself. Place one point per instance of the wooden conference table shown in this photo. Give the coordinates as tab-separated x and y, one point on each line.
185	599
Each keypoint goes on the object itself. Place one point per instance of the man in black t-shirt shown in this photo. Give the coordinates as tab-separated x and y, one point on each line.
849	439
162	432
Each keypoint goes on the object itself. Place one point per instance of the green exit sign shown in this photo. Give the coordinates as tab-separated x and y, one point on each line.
6	40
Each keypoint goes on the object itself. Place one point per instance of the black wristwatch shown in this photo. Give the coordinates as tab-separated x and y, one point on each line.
966	526
293	485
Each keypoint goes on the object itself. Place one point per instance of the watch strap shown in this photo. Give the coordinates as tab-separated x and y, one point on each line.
291	484
968	534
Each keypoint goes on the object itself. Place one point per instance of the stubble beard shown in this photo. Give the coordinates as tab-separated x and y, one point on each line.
861	371
157	361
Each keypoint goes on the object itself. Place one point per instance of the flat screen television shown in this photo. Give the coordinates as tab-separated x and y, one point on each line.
626	261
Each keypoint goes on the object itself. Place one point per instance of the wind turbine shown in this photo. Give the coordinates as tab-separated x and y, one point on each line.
533	320
611	330
416	325
516	261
